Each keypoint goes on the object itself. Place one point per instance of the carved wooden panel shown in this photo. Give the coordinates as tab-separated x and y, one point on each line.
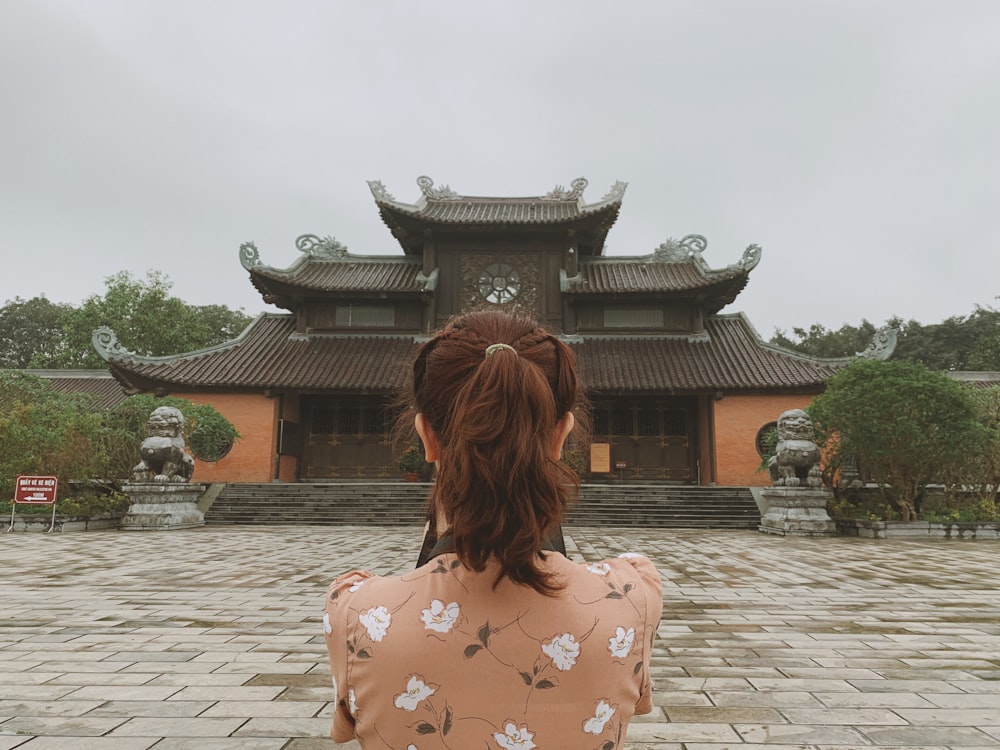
502	279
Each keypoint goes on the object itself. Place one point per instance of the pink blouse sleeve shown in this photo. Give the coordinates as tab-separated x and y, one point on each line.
652	591
335	627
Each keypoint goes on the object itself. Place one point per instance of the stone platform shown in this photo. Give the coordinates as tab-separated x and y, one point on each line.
211	638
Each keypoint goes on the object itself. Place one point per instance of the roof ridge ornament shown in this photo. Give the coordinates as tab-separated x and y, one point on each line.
380	191
882	346
443	193
687	247
616	193
106	344
751	257
559	193
323	248
249	256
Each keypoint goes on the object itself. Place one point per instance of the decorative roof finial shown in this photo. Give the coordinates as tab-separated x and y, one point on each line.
379	191
106	344
249	256
443	193
751	257
324	248
687	247
882	346
559	193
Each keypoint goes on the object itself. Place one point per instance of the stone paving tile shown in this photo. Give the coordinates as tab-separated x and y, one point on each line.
178	727
226	743
819	644
267	709
90	743
152	709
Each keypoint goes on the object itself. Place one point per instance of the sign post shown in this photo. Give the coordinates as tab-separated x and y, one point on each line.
34	490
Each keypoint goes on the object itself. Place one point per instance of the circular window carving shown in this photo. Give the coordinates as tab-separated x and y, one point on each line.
499	283
767	438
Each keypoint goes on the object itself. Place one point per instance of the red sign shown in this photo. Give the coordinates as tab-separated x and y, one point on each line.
37	490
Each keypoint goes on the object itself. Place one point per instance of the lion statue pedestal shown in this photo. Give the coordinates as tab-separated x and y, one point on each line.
161	494
796	505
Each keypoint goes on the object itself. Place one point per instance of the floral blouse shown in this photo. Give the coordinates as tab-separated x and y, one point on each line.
437	658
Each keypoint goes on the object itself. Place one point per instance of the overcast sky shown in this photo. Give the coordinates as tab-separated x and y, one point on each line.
857	141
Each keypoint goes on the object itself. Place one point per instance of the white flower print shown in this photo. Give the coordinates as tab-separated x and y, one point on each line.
601	569
627	555
352	702
603	714
621	642
416	691
327	627
376	621
514	737
440	617
563	650
355	586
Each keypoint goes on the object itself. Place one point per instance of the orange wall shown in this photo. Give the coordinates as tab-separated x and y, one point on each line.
737	420
252	457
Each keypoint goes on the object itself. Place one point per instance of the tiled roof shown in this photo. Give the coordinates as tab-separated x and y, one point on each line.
732	356
269	355
601	276
443	205
352	274
501	211
98	384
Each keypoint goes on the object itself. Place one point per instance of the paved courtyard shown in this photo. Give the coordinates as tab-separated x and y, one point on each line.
211	638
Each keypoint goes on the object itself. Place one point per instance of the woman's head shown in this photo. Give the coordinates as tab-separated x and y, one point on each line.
495	395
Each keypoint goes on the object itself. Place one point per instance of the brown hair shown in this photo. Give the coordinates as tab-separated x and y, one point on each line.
495	418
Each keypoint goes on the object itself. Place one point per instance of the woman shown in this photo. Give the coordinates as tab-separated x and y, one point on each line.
494	642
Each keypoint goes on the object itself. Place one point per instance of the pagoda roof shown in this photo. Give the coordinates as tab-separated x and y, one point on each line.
327	266
269	354
676	266
442	207
99	385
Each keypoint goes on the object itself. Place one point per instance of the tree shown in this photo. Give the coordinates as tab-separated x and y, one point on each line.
817	341
979	475
146	319
46	432
906	425
207	434
950	344
29	329
957	343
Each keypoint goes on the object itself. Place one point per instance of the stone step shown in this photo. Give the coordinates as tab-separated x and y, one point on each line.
388	503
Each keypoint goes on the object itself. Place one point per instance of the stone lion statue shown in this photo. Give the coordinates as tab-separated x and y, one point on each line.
163	455
796	459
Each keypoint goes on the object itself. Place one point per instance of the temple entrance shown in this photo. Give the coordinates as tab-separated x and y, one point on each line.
347	438
655	438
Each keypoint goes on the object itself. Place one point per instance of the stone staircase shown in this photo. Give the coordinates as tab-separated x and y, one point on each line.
400	503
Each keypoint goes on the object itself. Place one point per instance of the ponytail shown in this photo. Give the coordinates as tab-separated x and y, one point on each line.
495	416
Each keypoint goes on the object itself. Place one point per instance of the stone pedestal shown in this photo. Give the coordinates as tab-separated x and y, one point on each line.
163	506
797	511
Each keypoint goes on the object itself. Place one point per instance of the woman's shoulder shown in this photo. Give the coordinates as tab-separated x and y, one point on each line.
623	574
628	564
344	586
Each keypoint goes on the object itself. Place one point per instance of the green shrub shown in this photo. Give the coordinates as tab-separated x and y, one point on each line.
115	503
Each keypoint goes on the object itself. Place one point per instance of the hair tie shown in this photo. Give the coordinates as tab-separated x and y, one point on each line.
497	347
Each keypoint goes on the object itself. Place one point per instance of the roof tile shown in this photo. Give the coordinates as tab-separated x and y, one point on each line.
270	355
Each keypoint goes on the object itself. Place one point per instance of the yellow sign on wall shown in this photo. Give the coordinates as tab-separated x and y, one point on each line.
600	458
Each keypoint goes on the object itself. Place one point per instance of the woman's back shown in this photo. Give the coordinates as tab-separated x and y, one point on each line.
438	658
494	643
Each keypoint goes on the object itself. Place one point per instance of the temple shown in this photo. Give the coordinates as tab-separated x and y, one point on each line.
682	392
